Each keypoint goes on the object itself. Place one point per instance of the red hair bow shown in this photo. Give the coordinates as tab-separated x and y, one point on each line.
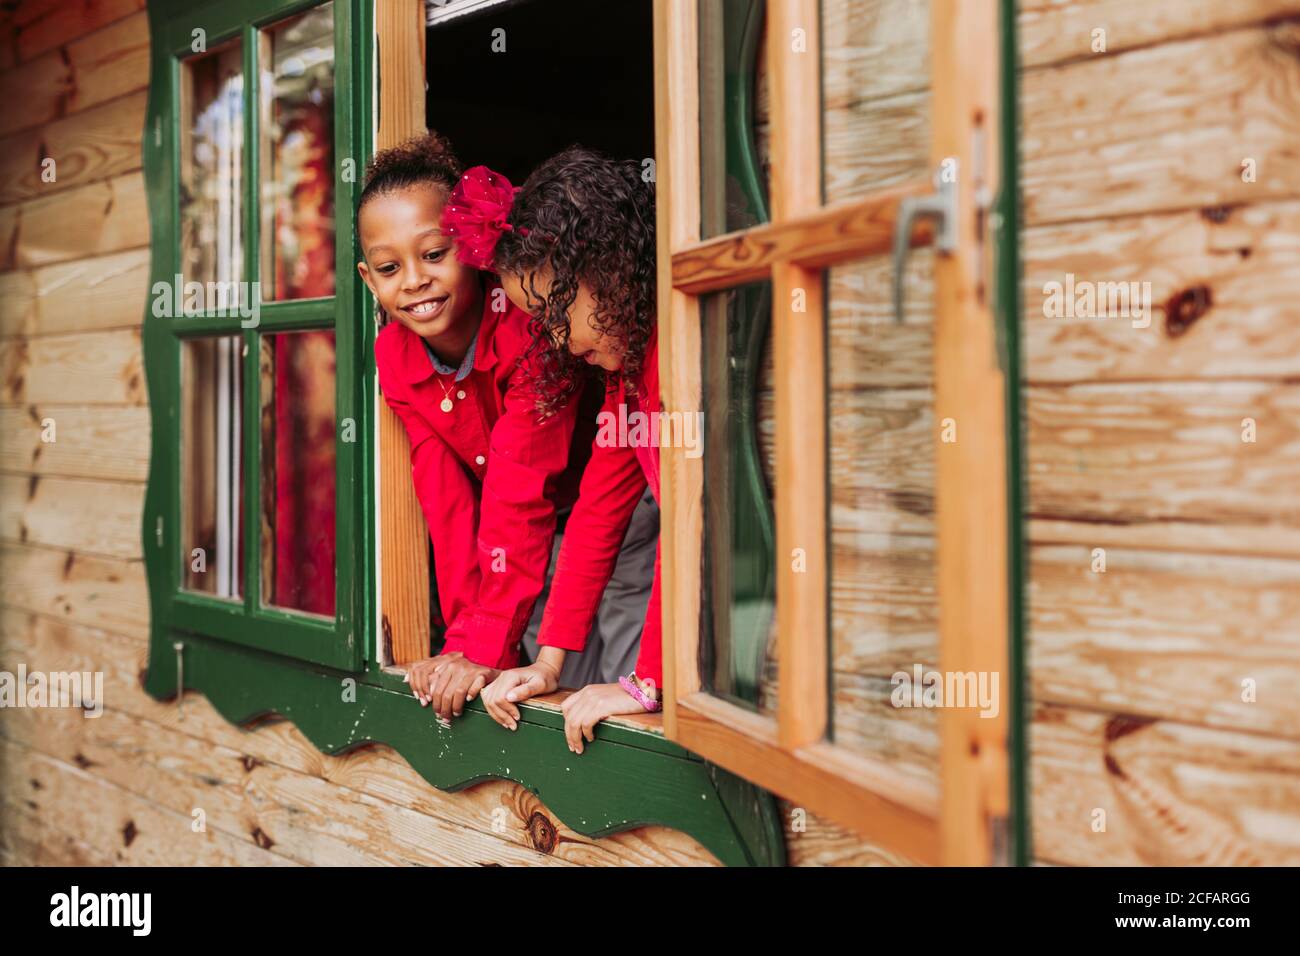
475	215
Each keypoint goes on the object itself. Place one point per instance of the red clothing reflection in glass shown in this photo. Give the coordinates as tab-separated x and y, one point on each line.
304	508
304	453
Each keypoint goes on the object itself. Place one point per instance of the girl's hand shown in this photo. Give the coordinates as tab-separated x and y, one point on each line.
589	706
420	675
515	685
448	681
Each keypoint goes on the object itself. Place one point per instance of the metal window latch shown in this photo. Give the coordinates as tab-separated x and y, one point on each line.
180	679
941	206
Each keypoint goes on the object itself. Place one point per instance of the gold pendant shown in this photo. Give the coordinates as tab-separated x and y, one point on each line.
446	405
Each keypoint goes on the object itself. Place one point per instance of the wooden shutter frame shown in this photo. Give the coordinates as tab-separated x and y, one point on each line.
403	535
789	754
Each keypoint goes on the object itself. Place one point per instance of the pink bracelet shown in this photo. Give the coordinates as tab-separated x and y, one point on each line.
630	686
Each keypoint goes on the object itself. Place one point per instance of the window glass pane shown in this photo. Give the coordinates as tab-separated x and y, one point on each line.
211	178
738	590
734	127
882	444
875	95
212	493
297	166
297	388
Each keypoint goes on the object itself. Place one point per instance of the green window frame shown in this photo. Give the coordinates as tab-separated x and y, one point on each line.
247	621
326	676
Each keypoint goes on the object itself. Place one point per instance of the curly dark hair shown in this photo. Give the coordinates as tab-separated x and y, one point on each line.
425	158
583	217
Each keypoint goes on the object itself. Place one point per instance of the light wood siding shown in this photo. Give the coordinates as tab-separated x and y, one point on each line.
1133	172
1132	165
74	263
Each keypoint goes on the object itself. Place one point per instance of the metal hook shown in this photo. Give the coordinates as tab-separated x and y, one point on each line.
180	680
941	206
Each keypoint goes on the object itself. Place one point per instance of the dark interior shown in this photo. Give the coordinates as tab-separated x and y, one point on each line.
573	71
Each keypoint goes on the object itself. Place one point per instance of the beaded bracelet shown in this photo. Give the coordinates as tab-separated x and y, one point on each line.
630	684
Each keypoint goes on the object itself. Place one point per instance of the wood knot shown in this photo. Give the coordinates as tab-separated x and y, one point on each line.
541	833
261	839
1185	307
1121	725
249	763
1285	36
1216	214
129	833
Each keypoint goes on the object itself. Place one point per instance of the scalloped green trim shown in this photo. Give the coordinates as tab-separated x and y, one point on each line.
627	778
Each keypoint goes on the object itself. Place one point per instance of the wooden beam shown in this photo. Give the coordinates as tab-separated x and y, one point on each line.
798	346
817	239
896	811
678	223
403	534
971	480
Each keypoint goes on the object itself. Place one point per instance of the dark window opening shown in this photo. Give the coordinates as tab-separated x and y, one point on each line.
572	71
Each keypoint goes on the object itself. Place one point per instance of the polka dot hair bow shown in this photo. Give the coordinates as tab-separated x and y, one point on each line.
476	215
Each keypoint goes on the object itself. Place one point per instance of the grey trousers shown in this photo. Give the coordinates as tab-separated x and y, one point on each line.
615	637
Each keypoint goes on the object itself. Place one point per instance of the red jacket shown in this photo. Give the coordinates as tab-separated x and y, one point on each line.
489	475
612	485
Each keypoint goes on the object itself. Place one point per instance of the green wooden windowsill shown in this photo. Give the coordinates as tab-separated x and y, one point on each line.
630	777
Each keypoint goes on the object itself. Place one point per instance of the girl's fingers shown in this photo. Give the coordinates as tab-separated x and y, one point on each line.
462	693
490	704
526	688
438	693
478	684
455	696
572	735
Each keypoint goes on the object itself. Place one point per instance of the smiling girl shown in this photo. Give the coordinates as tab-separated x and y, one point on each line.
488	471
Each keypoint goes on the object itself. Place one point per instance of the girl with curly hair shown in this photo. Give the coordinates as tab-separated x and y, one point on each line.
490	476
576	249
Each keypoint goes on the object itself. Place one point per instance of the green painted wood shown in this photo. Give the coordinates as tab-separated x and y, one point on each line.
1007	306
175	28
249	660
626	778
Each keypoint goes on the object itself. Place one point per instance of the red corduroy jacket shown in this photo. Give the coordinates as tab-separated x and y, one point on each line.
489	475
612	485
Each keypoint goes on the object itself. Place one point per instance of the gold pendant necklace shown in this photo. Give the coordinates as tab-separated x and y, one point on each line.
446	403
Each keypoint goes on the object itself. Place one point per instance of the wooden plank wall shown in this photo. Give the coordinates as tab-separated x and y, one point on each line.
73	285
1133	171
